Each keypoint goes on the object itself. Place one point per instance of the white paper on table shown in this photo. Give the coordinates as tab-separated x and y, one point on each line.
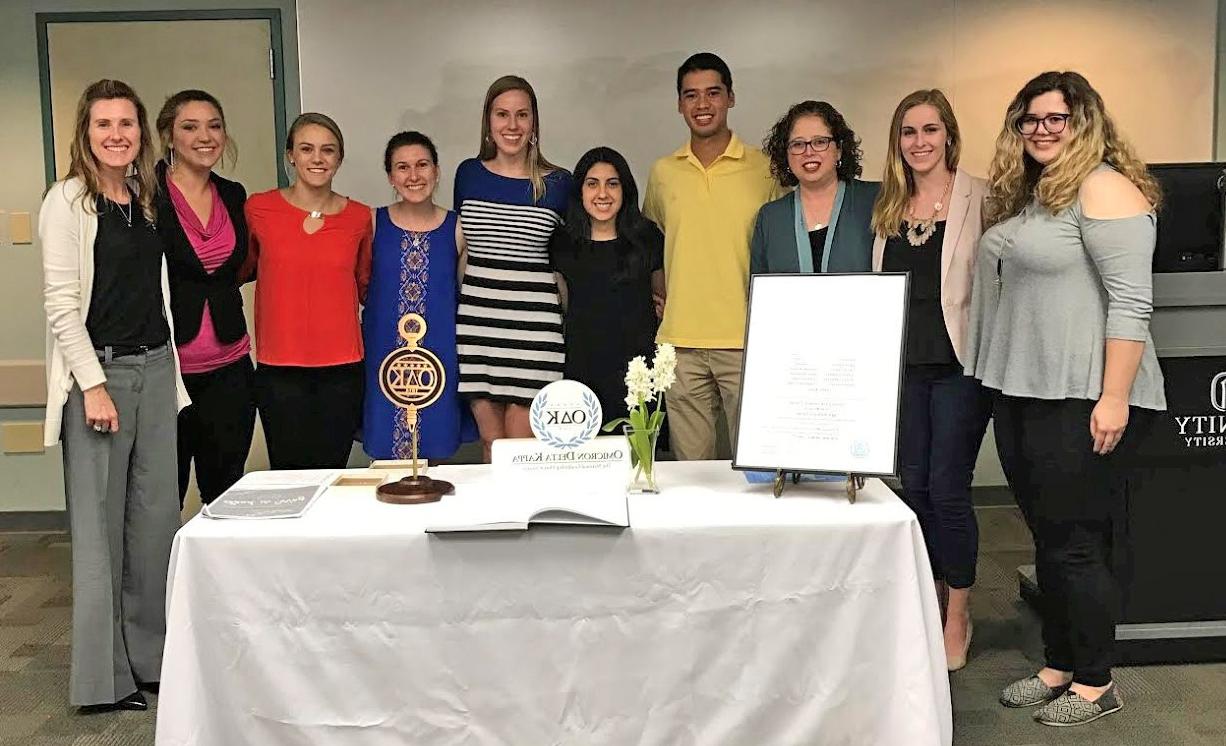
263	495
822	373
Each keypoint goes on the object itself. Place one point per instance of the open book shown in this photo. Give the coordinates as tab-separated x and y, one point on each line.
271	494
573	507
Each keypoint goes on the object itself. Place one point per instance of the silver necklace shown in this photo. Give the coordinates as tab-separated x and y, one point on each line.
411	238
127	216
919	231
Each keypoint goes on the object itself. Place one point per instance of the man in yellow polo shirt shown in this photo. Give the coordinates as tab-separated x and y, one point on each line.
705	197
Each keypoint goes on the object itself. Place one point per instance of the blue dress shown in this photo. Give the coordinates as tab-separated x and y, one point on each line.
413	272
509	326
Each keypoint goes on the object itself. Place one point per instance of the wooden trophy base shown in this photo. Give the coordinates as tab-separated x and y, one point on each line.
414	490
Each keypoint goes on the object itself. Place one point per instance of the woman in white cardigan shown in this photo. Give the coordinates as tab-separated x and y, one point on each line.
113	393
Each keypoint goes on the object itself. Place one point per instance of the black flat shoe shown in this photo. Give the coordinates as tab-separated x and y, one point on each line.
147	686
134	702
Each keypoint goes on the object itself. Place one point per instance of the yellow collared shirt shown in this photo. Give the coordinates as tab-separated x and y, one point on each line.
707	215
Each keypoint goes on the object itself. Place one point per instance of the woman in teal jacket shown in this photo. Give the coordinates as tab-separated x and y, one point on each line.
822	225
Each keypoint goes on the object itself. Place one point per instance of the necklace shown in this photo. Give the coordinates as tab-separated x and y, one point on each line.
313	221
919	231
409	238
127	216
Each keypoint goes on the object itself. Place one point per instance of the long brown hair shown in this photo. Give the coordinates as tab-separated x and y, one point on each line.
1014	178
165	122
84	166
538	166
898	181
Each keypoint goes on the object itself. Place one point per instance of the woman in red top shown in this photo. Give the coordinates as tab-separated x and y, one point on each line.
310	254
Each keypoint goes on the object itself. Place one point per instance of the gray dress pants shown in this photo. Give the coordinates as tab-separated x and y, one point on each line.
123	511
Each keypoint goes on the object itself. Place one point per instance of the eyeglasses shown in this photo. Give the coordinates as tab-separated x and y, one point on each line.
1053	123
819	145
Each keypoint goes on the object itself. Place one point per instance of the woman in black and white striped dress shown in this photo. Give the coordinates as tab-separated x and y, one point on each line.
509	327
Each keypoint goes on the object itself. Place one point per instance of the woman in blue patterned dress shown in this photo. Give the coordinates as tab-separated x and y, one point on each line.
417	246
509	327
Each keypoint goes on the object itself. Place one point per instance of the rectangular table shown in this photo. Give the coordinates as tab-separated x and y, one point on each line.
723	616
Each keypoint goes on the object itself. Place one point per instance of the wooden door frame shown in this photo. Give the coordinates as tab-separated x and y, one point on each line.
272	15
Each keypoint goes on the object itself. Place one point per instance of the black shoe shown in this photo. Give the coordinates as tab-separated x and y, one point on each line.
147	686
134	702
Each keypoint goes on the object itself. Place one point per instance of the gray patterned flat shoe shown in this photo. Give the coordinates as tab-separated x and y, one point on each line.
1071	708
1029	692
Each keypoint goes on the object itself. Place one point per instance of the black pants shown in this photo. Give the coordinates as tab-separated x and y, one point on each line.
310	415
944	416
1073	500
215	431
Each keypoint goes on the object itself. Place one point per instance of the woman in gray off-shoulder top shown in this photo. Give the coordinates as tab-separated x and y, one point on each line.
1059	332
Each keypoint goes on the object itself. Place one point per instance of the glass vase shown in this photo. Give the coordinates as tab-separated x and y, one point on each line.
642	445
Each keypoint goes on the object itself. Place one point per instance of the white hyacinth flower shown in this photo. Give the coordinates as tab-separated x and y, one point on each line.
664	367
632	401
638	381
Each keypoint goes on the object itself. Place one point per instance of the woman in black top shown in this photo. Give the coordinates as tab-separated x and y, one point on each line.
611	265
112	392
201	221
926	221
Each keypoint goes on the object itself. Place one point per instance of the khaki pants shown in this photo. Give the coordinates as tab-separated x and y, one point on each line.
706	380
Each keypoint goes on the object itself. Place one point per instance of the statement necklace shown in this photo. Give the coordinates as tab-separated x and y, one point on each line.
919	231
314	220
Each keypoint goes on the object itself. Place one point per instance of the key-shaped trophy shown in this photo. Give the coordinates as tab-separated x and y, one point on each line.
412	378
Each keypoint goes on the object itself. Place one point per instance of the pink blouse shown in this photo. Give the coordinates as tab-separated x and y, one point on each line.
213	244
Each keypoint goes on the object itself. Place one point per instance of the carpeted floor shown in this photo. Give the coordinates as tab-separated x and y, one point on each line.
1164	705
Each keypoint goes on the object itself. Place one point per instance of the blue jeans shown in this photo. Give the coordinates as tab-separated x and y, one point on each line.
944	416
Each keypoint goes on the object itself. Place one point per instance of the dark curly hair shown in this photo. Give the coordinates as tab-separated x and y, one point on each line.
775	145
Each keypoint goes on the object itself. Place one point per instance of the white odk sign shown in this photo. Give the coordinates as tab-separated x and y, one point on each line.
565	417
1207	430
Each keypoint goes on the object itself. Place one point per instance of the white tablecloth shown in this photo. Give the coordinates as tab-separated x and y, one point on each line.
723	616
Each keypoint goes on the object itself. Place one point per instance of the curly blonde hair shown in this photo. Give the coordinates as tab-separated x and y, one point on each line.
897	181
1014	178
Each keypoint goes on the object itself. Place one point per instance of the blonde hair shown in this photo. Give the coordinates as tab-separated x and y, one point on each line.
898	180
538	166
84	165
1014	178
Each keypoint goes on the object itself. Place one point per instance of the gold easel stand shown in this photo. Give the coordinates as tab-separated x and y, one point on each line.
412	378
855	483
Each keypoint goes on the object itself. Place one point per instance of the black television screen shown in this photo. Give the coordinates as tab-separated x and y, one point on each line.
1190	233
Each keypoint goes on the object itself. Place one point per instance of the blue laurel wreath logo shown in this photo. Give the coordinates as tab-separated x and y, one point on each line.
591	407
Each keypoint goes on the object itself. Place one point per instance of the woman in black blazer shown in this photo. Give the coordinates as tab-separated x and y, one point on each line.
200	218
822	225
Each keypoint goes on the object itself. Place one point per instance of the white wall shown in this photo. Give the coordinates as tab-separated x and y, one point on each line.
605	72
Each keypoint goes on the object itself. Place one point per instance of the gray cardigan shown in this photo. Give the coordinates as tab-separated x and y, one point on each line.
773	247
1066	284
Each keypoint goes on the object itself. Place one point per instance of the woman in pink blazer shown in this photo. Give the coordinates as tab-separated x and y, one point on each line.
926	221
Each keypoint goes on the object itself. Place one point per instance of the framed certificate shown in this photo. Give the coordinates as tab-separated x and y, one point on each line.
822	373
